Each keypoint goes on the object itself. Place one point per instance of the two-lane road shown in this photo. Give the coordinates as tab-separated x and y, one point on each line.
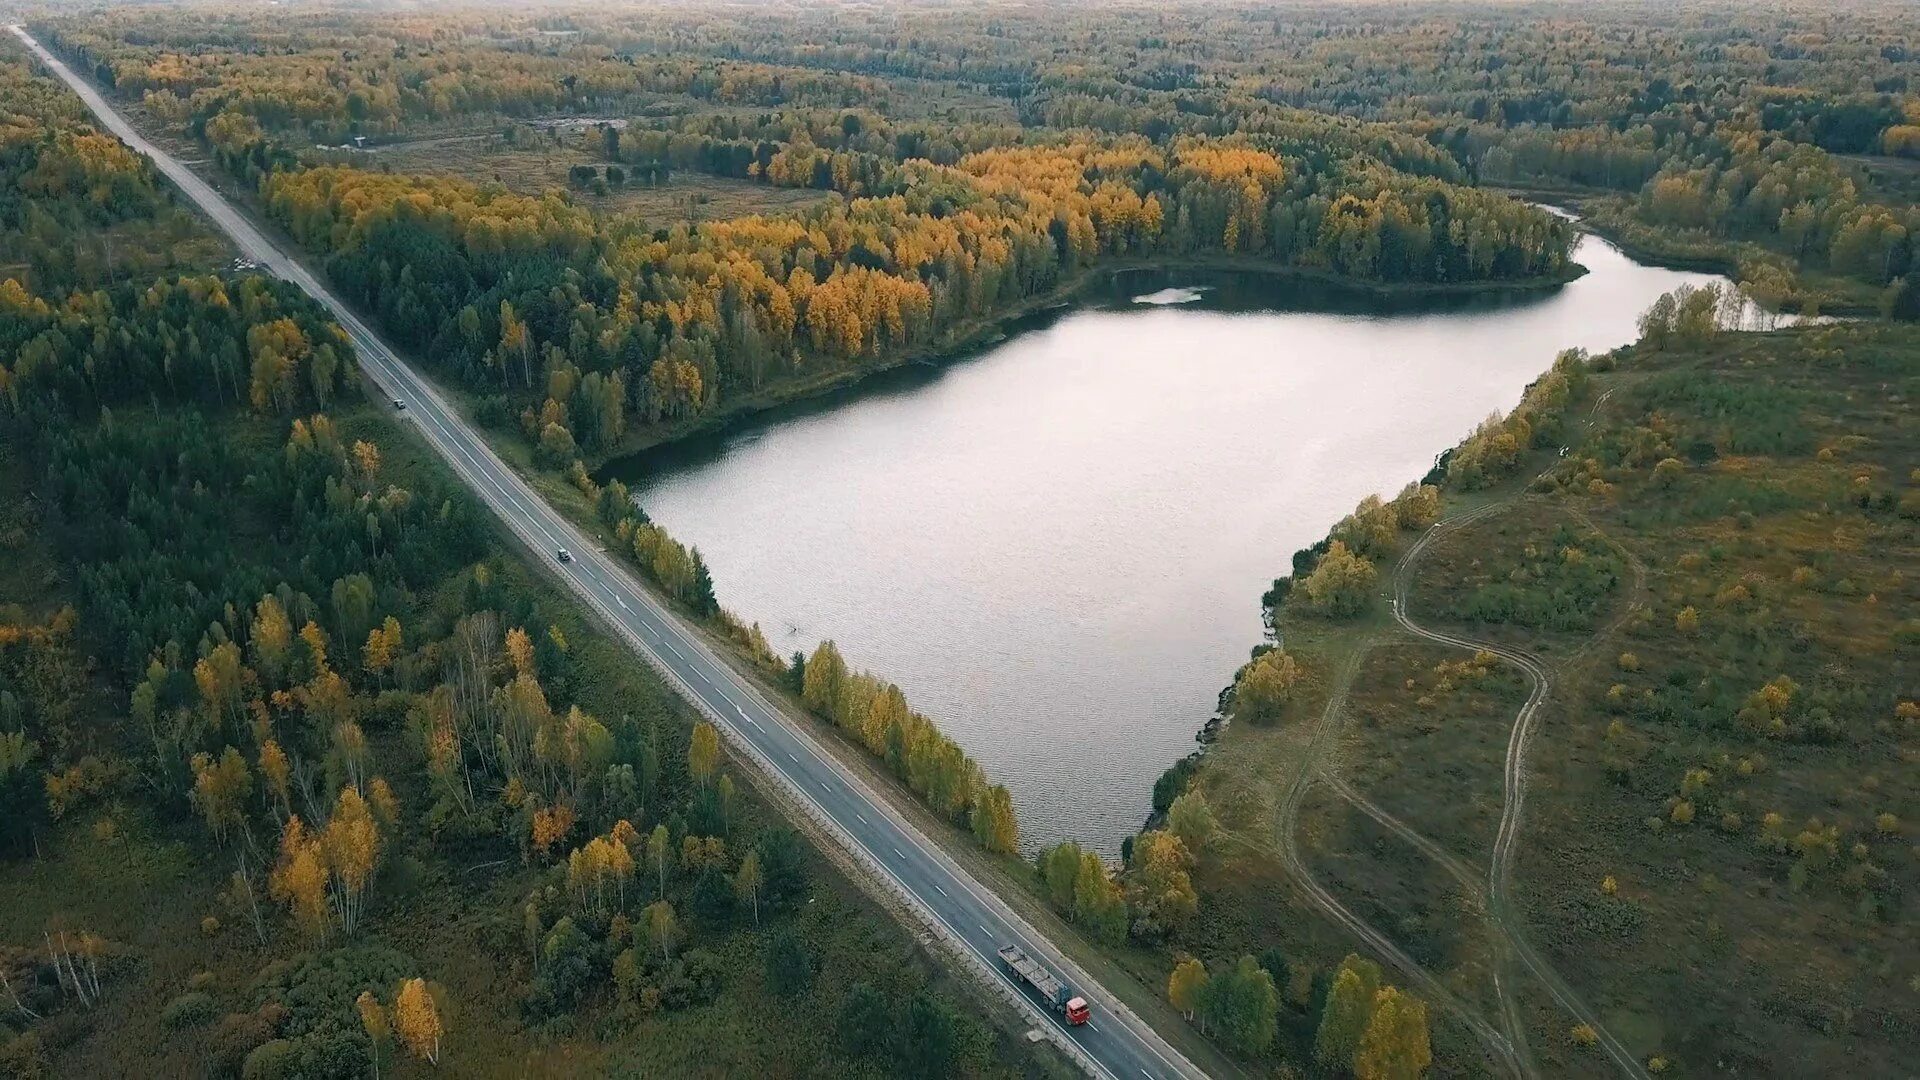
1115	1044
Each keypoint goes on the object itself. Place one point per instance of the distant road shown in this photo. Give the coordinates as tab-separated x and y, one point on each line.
1114	1044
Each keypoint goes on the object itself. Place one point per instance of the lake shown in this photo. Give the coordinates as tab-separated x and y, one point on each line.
1057	545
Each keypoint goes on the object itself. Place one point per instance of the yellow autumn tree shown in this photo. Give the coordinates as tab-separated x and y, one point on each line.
1341	584
352	844
220	789
1396	1045
1186	984
373	1017
416	1016
278	772
299	879
703	753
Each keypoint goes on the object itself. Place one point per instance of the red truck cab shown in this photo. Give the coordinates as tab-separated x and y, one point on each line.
1077	1011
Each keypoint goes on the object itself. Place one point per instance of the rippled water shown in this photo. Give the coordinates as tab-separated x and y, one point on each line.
1057	546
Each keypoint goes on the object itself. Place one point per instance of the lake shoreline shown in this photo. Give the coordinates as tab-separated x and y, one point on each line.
975	335
1049	545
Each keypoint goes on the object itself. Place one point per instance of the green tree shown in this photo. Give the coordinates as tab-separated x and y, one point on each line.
662	928
1344	1019
1099	905
1058	866
1241	1006
994	824
1192	820
660	855
825	672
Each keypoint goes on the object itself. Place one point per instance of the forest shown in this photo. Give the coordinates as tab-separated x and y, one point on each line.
584	332
266	667
261	657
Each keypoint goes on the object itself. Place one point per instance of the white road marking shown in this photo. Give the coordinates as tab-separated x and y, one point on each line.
862	817
938	889
902	855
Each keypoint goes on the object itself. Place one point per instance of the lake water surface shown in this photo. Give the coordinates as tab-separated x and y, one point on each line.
1057	546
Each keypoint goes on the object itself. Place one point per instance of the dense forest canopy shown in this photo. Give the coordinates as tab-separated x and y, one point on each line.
585	328
987	158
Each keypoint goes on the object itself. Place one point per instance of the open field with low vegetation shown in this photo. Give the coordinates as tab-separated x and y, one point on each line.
543	166
1715	587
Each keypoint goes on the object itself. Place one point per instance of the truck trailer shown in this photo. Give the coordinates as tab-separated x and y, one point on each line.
1058	995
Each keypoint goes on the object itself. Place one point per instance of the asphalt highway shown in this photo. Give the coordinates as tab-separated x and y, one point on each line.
965	913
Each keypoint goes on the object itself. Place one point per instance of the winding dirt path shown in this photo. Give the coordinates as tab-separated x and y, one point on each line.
1507	1044
1502	913
1498	1044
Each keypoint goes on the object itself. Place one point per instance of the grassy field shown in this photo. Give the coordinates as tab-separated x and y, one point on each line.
1718	870
483	157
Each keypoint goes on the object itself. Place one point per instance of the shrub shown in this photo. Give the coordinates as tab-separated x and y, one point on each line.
192	1009
789	965
272	1061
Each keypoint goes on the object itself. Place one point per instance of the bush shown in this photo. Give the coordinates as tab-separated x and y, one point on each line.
237	1035
789	965
193	1009
272	1061
320	1024
1558	585
866	1020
